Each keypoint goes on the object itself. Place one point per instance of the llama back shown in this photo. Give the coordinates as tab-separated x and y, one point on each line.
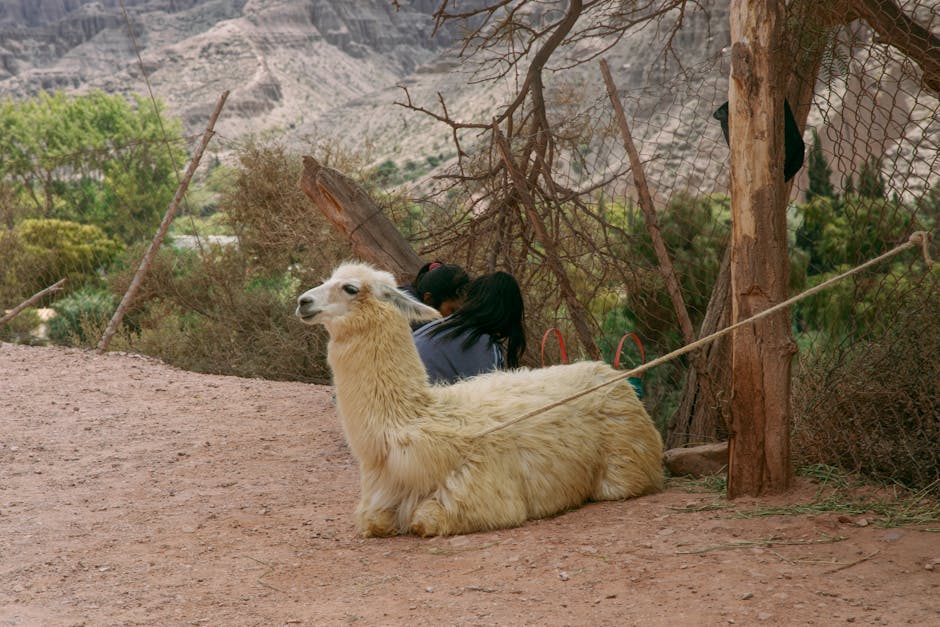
504	396
560	453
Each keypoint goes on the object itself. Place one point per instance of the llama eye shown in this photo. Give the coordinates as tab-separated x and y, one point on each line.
350	289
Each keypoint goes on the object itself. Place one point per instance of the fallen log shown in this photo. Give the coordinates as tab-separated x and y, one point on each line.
359	219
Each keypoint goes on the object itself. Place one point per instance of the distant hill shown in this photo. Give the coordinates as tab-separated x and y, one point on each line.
299	67
285	62
307	70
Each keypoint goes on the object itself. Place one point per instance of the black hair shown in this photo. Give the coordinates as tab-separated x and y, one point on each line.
443	281
424	270
493	306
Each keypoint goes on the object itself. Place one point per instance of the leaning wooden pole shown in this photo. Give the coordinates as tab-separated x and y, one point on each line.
157	241
649	212
700	374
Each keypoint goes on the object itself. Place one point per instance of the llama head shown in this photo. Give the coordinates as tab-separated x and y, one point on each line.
345	292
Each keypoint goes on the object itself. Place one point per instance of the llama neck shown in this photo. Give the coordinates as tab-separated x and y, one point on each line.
379	377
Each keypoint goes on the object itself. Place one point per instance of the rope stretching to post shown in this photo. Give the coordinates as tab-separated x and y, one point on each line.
917	238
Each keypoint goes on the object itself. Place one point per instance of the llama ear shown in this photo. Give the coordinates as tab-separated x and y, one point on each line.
409	307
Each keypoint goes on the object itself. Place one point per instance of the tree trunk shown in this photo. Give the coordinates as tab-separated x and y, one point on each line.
349	208
702	416
759	443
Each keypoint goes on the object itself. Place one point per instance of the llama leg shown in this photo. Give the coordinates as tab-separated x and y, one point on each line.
470	500
377	513
429	519
376	523
623	478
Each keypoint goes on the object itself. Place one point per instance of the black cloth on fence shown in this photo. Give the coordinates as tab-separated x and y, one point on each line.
794	148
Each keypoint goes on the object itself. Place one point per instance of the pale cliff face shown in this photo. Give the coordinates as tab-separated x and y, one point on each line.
300	68
308	70
283	61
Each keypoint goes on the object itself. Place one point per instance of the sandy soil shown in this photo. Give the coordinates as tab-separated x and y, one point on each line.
135	493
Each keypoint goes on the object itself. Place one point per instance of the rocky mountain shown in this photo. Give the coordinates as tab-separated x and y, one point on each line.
285	62
303	68
332	70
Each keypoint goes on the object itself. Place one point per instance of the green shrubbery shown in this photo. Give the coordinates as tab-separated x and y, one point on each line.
213	312
36	253
230	310
82	316
865	392
20	328
867	401
95	159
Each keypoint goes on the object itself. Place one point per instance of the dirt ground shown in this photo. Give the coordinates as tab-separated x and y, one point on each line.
134	493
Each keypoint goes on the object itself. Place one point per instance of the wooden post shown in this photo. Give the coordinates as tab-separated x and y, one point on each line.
354	214
699	396
759	451
157	241
649	215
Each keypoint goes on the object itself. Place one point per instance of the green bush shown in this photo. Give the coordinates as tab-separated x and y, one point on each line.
217	313
230	310
869	403
93	158
37	253
21	327
82	316
276	224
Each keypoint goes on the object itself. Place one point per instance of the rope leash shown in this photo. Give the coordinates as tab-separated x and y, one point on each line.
917	238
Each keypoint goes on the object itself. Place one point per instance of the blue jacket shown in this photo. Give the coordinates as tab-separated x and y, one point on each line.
445	359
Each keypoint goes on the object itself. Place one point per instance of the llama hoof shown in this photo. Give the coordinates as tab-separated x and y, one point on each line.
378	524
428	520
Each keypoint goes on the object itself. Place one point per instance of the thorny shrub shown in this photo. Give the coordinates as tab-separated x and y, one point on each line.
871	404
230	310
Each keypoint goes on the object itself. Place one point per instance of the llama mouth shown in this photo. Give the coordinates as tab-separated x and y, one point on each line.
307	316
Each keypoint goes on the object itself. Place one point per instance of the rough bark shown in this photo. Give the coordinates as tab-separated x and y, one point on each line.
352	211
702	415
759	443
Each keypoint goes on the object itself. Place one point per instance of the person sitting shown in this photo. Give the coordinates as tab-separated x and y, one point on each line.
412	288
443	287
439	285
485	333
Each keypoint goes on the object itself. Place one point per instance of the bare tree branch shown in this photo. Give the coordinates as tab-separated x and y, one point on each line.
30	301
899	30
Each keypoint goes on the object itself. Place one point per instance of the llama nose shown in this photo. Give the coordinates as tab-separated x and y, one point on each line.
305	300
